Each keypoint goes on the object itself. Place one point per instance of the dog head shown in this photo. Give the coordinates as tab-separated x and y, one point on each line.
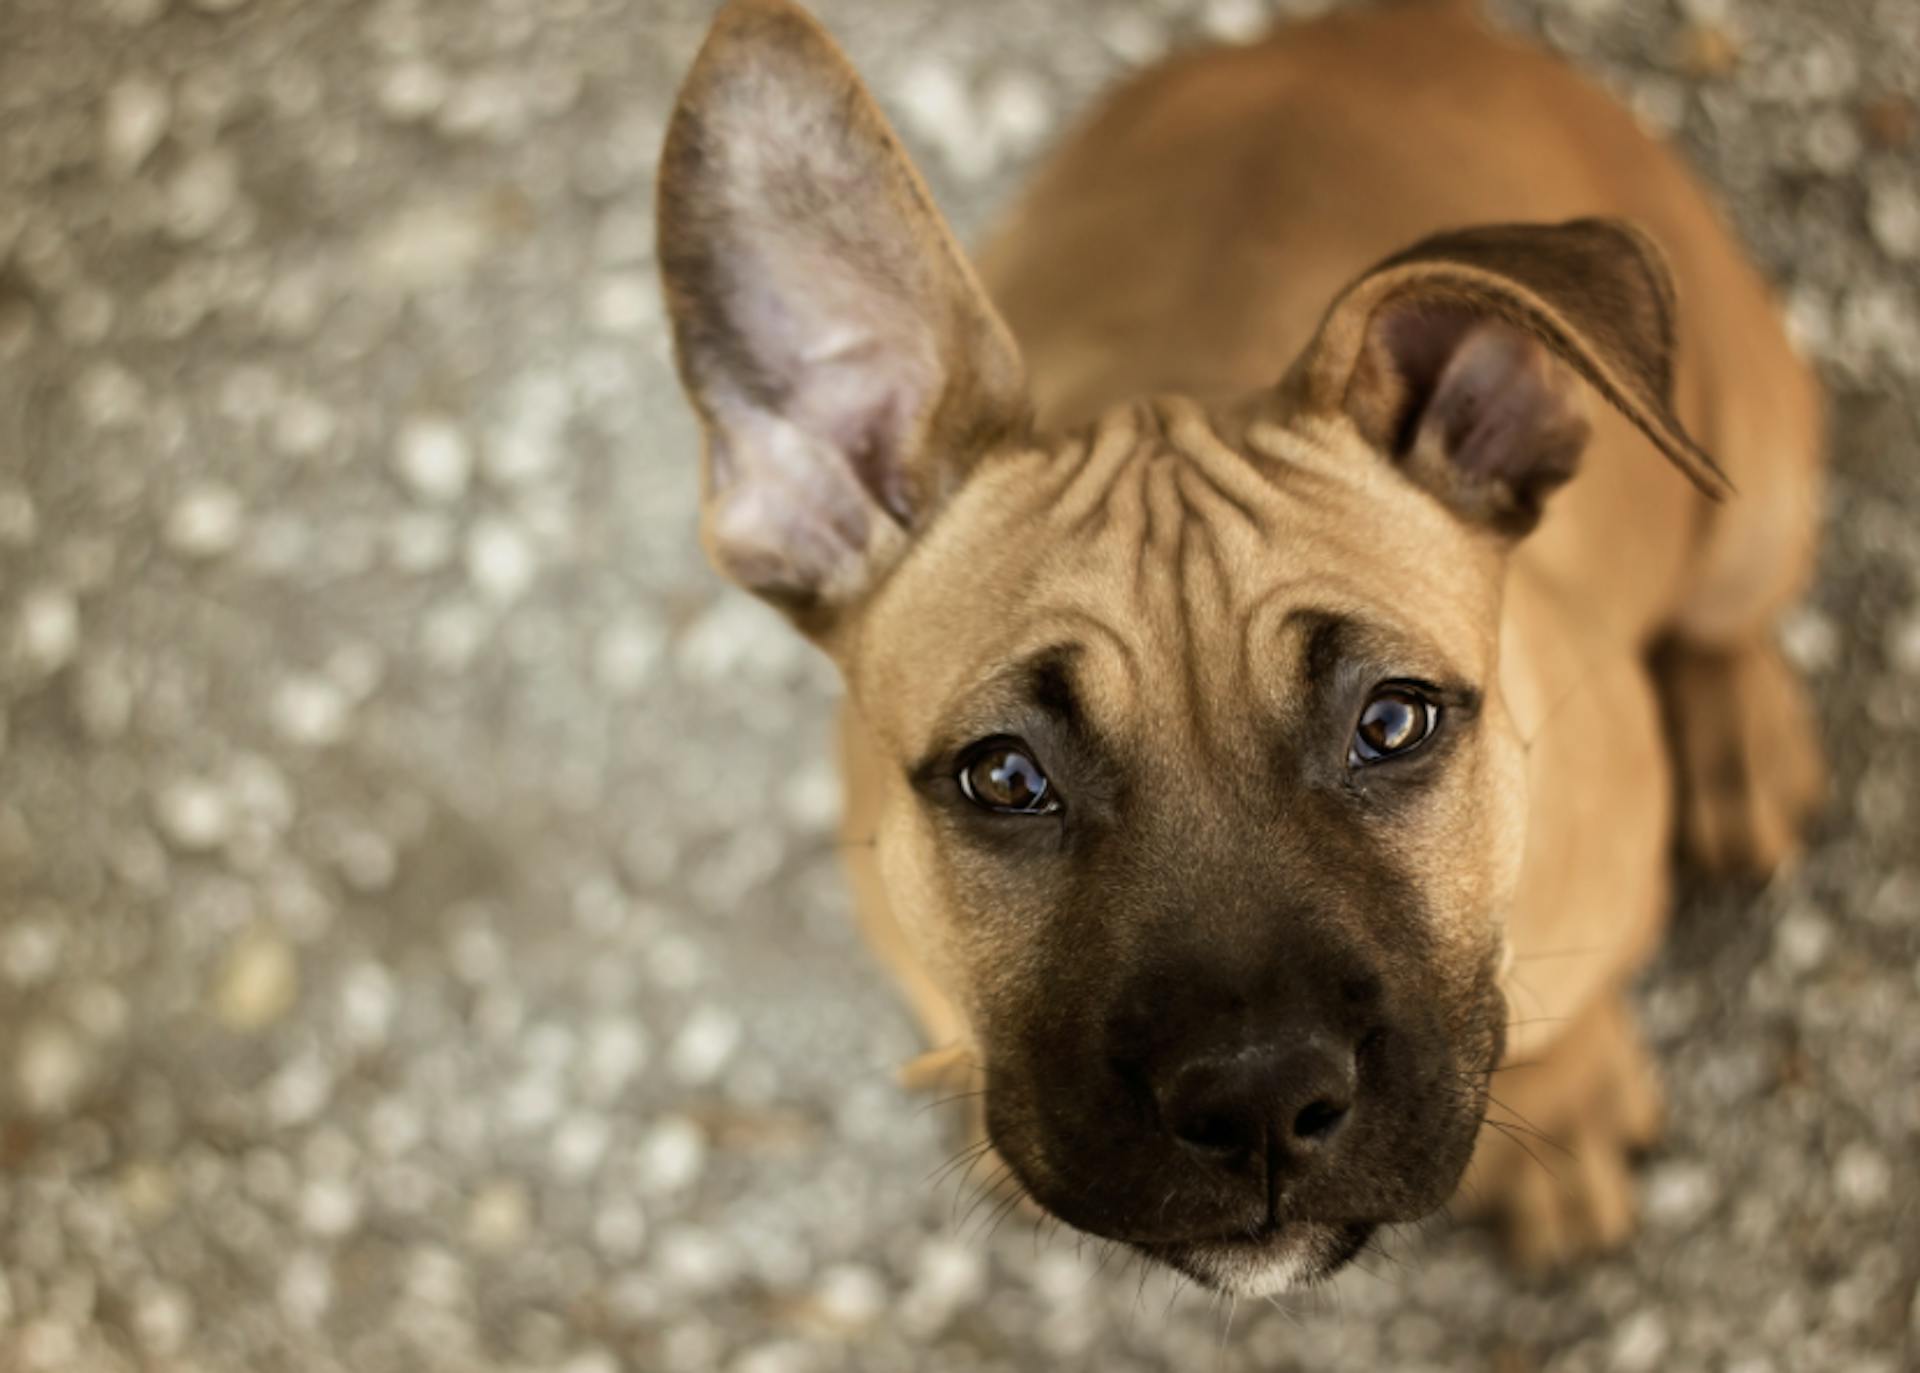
1198	792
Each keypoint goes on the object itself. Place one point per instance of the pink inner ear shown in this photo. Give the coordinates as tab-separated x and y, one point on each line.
848	365
1491	399
1506	411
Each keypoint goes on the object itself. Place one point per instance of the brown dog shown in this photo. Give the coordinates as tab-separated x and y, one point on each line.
1249	757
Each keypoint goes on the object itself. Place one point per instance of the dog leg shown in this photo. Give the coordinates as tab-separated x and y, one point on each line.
1552	1170
1747	754
1746	750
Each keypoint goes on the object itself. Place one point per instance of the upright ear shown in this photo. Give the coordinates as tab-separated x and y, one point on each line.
843	359
1458	359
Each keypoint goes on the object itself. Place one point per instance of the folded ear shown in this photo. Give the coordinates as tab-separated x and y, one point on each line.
845	363
1458	359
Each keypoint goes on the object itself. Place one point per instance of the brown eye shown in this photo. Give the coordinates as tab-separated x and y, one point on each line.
999	775
1396	720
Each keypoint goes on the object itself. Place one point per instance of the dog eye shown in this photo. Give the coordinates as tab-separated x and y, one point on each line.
1000	775
1397	720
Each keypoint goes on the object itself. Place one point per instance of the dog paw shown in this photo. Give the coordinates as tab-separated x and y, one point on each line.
1749	760
1554	1167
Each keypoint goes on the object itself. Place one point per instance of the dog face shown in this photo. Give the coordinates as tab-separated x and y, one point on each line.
1204	802
1197	791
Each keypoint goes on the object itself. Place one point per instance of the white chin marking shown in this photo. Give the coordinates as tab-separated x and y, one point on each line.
1254	1275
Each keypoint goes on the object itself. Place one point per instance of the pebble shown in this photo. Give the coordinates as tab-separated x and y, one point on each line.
134	119
421	541
329	1208
205	522
434	459
311	711
1017	113
1802	940
579	1144
523	455
52	1067
412	90
258	983
704	1046
1679	1194
194	814
162	1318
737	639
109	396
624	304
779	1356
626	654
306	1288
1903	643
298	1092
367	859
1863	1178
934	101
46	631
614	1054
851	1296
1235	21
1893	213
671	1157
1640	1343
30	948
1133	36
368	1002
1833	142
1811	640
202	194
500	560
499	1216
697	1262
948	1275
620	1229
303	426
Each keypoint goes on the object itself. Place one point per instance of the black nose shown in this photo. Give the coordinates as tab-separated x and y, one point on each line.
1287	1102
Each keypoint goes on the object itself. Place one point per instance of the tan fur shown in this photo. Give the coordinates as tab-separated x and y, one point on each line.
1189	239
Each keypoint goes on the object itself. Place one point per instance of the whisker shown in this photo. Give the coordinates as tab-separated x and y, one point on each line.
986	1190
1521	1122
1587	952
1525	1147
969	1155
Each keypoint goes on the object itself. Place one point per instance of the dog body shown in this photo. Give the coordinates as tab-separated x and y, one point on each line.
1236	775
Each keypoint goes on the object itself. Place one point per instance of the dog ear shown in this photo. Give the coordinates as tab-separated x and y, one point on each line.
845	364
1458	359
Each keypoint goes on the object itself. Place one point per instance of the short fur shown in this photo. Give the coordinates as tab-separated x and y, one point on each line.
1299	407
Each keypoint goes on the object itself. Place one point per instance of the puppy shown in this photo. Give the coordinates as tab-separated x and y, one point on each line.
1285	599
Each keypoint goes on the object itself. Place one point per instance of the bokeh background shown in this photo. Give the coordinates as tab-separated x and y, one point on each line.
421	945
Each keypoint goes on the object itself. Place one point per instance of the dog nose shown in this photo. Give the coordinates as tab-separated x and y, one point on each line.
1289	1102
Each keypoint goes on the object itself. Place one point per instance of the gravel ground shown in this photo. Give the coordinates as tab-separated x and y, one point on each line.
420	940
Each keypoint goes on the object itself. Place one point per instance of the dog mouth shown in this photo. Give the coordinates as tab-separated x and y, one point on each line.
1270	1259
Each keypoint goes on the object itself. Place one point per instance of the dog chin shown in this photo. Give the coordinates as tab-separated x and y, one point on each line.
1292	1257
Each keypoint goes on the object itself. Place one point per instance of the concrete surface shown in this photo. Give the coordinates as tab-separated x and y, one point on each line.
420	940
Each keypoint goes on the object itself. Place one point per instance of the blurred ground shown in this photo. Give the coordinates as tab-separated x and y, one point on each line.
420	940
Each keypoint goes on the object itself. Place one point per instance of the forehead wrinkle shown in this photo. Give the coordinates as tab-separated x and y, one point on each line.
1092	466
1082	644
1213	465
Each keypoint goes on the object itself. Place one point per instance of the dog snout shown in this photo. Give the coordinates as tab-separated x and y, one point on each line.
1282	1103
